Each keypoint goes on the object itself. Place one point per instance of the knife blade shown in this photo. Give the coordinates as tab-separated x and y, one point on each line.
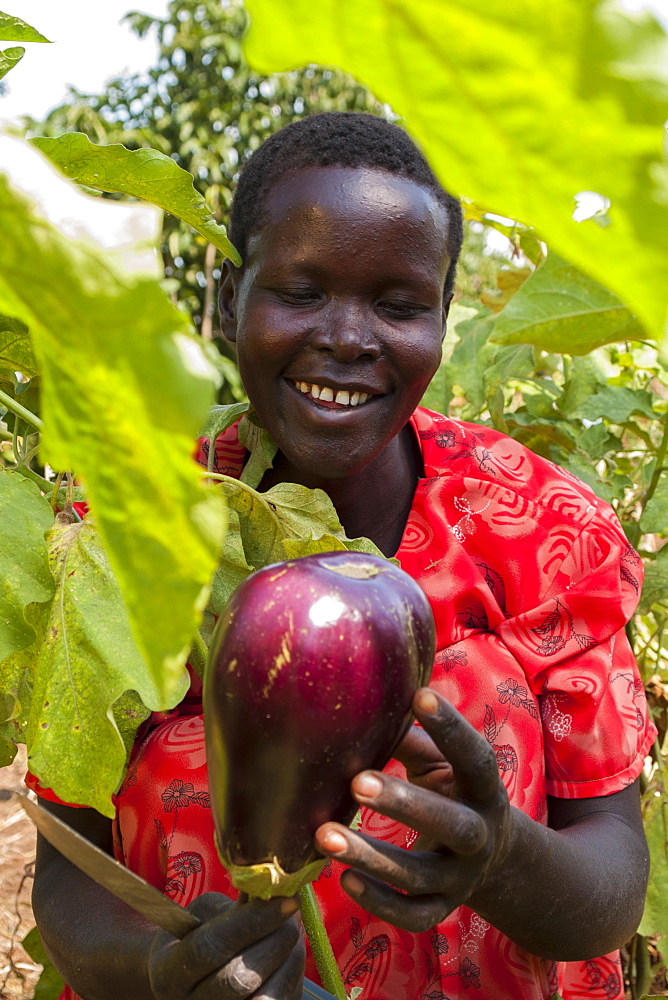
126	885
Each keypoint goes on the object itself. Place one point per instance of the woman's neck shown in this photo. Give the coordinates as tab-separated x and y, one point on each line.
374	502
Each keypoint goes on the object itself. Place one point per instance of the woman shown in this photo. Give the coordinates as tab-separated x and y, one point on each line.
532	850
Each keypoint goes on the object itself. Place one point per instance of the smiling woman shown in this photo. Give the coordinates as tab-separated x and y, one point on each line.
513	857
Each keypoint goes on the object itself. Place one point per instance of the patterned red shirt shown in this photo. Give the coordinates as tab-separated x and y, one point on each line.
531	581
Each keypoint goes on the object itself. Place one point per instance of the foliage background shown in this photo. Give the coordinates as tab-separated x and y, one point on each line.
536	346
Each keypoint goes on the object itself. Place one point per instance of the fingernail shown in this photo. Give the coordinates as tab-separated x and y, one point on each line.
368	785
427	702
334	843
288	907
354	885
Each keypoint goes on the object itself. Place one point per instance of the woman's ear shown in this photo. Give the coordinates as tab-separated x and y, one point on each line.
227	292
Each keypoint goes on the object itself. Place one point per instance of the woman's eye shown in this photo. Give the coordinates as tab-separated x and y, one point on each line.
298	295
402	309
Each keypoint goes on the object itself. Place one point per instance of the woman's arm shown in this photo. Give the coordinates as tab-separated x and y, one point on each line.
106	950
572	891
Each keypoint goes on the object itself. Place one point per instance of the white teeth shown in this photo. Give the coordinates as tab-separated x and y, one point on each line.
343	396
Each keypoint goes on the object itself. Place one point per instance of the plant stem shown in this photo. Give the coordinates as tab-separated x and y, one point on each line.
20	411
43	483
56	487
320	945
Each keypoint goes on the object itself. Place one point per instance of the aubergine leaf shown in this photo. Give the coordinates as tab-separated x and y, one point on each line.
560	309
257	441
24	562
655	584
655	820
125	388
655	515
16	353
9	58
83	661
489	104
287	521
13	29
219	418
142	173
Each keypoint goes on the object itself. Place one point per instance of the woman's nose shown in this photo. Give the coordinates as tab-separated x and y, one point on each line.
348	331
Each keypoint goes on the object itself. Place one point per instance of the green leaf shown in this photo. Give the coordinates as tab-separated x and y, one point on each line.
488	105
616	403
232	568
24	563
84	660
13	29
655	515
9	58
470	357
50	983
125	388
218	420
583	381
255	440
655	818
283	522
655	584
141	173
16	354
560	309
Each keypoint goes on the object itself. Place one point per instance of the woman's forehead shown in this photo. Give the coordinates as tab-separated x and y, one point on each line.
321	201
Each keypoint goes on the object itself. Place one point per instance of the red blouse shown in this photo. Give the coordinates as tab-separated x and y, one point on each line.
531	581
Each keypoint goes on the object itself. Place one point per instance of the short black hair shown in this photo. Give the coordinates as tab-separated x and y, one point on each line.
342	139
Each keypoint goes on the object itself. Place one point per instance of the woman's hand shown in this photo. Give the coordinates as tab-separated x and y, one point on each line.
454	798
252	949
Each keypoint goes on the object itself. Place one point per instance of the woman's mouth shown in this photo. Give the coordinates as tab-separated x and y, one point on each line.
339	398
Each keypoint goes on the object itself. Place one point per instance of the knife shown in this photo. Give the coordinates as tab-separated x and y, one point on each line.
126	885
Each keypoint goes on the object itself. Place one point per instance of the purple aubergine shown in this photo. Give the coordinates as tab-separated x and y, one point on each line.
311	675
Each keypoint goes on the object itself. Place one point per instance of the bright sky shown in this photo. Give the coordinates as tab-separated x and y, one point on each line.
90	47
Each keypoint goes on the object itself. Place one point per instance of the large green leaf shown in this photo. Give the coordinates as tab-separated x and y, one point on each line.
24	564
84	660
9	58
655	584
495	96
16	354
560	309
616	403
655	515
13	29
142	173
125	388
655	816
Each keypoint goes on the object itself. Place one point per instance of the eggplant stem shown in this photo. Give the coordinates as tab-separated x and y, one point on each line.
320	944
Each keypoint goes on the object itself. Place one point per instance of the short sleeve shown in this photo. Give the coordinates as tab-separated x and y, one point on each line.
580	666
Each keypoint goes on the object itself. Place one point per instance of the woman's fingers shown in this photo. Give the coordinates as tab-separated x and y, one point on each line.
411	871
246	973
472	758
451	824
411	913
177	966
286	982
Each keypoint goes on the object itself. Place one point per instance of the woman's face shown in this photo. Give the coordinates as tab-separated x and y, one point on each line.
338	314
